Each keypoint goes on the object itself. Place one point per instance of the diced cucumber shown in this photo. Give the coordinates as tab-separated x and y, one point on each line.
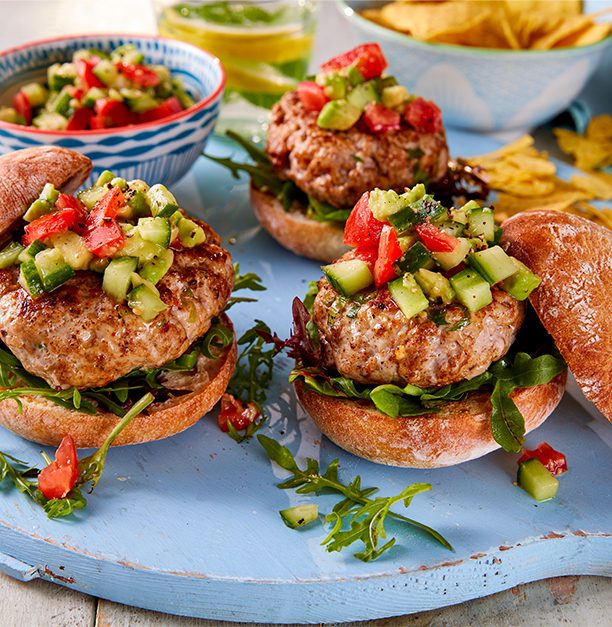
52	268
137	200
300	515
29	252
106	72
119	182
104	179
59	75
453	228
416	257
481	223
128	53
493	264
333	85
338	115
156	230
384	203
154	270
50	121
135	246
348	277
162	202
60	103
8	114
145	303
90	97
522	282
138	185
394	95
181	93
425	208
354	76
137	100
90	196
73	249
407	241
408	296
363	94
449	260
117	278
435	286
138	280
9	255
29	278
190	233
536	480
35	93
471	289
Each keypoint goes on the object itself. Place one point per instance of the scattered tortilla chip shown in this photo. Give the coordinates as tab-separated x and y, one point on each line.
598	184
593	150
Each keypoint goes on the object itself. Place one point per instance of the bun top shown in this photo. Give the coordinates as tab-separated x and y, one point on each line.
573	257
24	173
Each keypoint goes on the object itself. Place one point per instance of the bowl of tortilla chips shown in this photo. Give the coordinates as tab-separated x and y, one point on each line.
491	65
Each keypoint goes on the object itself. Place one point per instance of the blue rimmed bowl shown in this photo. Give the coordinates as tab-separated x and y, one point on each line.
157	152
483	89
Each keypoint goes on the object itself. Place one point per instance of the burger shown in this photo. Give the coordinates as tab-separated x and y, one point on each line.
420	348
105	295
350	129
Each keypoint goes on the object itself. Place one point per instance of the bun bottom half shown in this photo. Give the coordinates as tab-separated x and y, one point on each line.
321	241
459	432
45	422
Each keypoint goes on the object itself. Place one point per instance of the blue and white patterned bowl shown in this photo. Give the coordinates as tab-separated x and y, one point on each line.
157	152
480	88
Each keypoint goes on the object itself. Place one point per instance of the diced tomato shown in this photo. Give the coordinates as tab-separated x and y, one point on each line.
107	207
311	95
59	477
369	255
362	229
114	113
380	119
555	461
56	222
104	239
240	414
367	58
170	106
97	122
84	68
66	201
423	115
74	92
139	74
80	119
435	240
22	105
389	252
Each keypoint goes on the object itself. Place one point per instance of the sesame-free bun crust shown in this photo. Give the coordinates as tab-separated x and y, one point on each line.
321	241
23	175
573	257
43	421
460	431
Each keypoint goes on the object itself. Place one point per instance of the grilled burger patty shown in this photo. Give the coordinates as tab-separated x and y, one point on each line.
79	336
377	344
337	167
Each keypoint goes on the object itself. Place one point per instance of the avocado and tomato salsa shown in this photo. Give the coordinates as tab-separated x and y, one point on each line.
96	90
125	231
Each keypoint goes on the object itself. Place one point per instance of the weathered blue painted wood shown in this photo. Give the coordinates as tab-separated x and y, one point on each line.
190	525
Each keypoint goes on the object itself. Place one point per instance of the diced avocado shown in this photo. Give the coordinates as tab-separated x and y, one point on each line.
117	278
145	303
43	205
348	277
128	53
137	100
155	269
300	515
522	282
138	185
481	223
104	179
119	182
338	115
453	228
334	85
8	114
73	249
138	201
98	265
493	264
471	289
408	296
90	97
106	72
29	252
59	75
135	246
29	278
52	268
394	96
384	203
162	202
536	480
435	285
460	215
60	103
90	196
155	230
9	255
35	93
190	233
449	260
363	94
417	256
50	121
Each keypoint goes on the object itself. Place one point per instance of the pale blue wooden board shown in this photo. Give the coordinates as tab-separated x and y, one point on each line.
190	525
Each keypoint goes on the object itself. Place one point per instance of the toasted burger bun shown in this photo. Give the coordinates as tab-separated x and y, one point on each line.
460	431
321	241
43	421
24	173
573	256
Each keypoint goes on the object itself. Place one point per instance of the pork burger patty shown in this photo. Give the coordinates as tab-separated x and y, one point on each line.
377	344
338	167
78	335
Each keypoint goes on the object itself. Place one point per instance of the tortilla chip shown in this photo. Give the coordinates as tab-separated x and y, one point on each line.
589	153
599	184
